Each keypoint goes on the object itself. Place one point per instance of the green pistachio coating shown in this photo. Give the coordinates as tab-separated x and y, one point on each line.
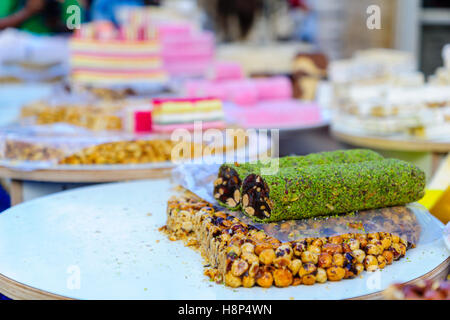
242	170
305	192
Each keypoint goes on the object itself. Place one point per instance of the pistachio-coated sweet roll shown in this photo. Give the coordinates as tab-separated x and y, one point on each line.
326	190
227	186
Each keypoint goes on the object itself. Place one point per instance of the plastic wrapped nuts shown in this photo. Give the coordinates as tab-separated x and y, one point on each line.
399	221
35	146
89	152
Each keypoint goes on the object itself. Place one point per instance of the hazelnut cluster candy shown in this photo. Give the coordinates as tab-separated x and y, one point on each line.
241	255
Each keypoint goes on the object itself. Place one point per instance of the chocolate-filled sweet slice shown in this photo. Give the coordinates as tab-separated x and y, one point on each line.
326	190
227	186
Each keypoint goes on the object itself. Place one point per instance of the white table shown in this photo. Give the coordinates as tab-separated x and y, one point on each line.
102	242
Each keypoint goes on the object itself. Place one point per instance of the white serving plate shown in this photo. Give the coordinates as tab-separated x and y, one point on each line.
107	237
446	235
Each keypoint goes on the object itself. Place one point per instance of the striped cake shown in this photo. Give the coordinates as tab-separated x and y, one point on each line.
171	114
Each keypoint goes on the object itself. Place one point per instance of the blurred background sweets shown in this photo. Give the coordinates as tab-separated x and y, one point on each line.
91	88
327	74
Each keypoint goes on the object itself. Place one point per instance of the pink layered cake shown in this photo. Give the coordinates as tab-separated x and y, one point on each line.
243	92
205	88
171	114
273	88
277	114
103	55
226	70
186	52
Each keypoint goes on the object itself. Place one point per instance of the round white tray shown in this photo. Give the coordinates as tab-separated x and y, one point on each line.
102	242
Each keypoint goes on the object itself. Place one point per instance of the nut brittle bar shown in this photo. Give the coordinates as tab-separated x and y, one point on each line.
239	254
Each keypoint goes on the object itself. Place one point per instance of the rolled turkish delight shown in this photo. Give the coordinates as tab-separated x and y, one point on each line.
330	189
227	186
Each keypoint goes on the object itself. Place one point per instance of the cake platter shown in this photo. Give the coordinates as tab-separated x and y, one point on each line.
103	242
394	143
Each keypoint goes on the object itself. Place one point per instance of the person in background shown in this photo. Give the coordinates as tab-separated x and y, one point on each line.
5	200
304	19
231	20
36	16
106	9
